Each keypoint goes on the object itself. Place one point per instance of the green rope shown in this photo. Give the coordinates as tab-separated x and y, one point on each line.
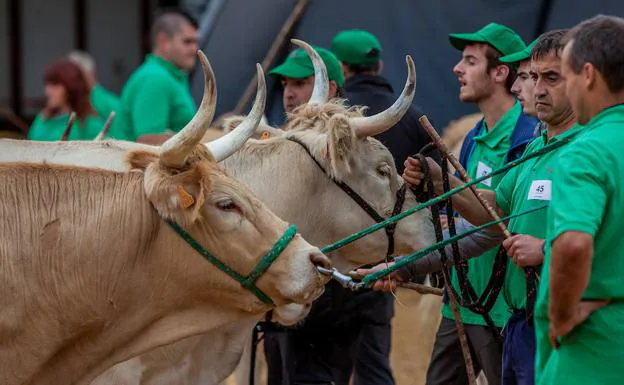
362	233
369	279
248	282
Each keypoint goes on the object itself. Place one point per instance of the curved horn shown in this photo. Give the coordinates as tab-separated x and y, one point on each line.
320	94
376	124
228	144
175	150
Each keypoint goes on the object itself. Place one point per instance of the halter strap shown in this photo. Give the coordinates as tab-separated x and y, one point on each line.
249	281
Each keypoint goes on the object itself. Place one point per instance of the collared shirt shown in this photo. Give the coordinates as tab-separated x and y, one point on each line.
52	129
155	100
529	186
489	153
588	197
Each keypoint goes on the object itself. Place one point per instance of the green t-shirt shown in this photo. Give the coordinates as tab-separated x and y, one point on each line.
104	101
490	152
52	129
526	187
155	100
588	196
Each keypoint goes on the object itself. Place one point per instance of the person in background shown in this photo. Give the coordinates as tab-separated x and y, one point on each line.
66	90
156	101
103	101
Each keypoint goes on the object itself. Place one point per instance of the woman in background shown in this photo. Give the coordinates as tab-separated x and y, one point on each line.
66	90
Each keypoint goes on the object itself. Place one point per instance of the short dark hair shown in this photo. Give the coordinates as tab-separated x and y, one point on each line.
549	43
599	41
363	68
493	56
169	21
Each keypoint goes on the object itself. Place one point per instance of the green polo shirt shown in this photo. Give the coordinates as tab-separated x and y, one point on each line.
490	152
588	196
526	187
52	129
103	101
155	100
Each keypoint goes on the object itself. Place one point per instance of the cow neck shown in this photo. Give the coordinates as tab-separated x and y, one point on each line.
249	281
357	198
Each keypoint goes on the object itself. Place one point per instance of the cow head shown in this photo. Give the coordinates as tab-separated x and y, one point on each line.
185	185
340	139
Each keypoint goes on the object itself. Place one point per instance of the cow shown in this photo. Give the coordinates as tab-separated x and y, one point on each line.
99	266
288	180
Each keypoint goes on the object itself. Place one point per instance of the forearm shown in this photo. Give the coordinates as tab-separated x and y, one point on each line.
469	247
155	140
468	205
570	269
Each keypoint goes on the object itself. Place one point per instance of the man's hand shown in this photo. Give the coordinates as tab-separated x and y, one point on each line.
524	250
414	175
387	283
583	310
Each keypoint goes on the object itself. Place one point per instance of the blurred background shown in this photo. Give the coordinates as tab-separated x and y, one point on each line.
235	34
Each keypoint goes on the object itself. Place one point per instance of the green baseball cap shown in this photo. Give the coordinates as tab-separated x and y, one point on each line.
517	57
356	46
503	38
298	65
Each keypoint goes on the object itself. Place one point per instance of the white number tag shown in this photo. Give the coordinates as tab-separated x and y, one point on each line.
482	170
540	190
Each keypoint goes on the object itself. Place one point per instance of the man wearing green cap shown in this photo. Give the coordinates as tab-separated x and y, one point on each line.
156	101
297	77
360	54
498	138
523	86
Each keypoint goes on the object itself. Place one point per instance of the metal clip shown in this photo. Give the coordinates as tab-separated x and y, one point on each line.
343	279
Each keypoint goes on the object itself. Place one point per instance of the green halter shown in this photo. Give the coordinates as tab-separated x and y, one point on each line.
248	282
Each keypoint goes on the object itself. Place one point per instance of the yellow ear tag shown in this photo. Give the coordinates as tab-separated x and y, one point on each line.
186	199
265	135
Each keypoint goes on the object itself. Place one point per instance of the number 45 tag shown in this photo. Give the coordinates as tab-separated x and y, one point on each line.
540	190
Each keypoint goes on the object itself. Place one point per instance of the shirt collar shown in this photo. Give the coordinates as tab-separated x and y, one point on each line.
167	65
502	130
608	115
569	133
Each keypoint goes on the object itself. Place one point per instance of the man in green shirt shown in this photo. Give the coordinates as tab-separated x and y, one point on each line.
156	101
103	101
579	309
499	137
523	86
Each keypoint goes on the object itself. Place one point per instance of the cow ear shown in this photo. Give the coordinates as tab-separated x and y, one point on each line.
178	197
341	143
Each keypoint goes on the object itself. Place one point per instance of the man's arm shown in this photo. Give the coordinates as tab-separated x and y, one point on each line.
570	268
465	202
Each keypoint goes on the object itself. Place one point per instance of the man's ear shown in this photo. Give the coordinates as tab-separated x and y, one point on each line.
333	89
500	73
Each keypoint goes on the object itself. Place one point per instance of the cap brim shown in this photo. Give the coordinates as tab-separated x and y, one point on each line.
516	57
461	40
292	70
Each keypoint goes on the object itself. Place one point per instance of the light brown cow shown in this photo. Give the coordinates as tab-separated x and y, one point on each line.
93	275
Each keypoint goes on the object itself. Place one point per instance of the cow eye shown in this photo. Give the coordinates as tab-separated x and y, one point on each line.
226	205
384	171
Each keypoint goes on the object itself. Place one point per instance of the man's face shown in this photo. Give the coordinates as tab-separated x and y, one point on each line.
182	47
574	89
523	88
551	103
296	92
474	79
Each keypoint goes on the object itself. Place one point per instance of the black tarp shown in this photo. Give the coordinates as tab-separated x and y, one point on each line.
246	28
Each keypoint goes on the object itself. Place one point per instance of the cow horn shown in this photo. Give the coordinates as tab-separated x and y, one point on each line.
228	144
175	150
376	124
320	94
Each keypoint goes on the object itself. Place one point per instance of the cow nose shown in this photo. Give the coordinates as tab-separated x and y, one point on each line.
320	259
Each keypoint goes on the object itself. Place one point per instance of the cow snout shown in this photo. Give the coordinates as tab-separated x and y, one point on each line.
319	259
